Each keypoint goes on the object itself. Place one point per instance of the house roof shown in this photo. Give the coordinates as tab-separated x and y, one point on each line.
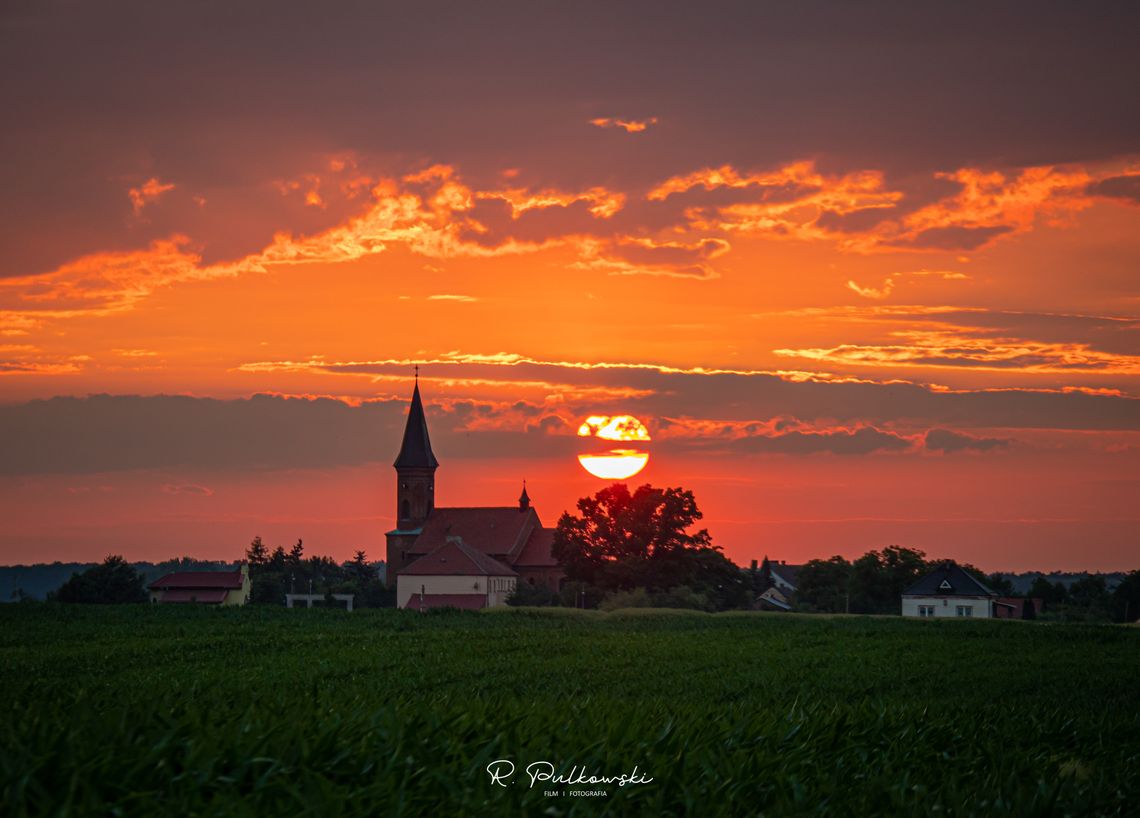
948	579
415	451
203	595
537	551
498	531
456	558
788	573
199	579
471	602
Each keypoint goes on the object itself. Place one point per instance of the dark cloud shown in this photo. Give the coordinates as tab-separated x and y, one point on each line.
1118	187
857	221
954	238
121	432
947	441
865	440
108	433
752	396
223	98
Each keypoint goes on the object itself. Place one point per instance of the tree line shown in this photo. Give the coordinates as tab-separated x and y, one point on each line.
873	584
278	572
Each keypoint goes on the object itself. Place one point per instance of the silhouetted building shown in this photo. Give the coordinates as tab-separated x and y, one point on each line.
460	557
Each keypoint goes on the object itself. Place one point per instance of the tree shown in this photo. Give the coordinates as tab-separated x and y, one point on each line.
277	559
359	566
878	578
764	581
257	554
822	585
622	541
1000	583
296	554
114	581
1048	592
1126	598
1028	609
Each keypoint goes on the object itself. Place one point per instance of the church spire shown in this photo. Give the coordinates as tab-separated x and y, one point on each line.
524	499
415	452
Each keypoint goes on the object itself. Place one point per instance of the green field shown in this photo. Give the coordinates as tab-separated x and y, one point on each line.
264	712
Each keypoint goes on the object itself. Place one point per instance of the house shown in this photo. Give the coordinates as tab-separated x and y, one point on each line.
784	576
203	587
772	600
948	591
469	557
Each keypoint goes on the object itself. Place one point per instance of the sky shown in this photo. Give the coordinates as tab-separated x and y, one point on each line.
868	273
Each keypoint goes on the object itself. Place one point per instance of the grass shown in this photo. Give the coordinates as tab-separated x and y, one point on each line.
262	712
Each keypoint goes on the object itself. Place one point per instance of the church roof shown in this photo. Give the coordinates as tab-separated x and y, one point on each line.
498	531
455	557
415	451
537	551
948	579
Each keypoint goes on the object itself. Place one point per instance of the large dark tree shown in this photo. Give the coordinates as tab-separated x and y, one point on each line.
878	578
622	540
114	581
824	585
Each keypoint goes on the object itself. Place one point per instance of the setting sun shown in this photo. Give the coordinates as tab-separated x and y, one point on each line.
617	463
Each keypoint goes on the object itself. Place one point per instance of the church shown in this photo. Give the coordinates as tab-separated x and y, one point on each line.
459	557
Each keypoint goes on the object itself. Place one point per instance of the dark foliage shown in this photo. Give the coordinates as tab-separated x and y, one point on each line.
113	582
621	541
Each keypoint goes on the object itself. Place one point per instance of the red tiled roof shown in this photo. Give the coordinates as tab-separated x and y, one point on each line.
208	595
495	531
457	558
199	579
537	551
471	602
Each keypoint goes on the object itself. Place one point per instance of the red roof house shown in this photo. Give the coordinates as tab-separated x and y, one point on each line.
203	587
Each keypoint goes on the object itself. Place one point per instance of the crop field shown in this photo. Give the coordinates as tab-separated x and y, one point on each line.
261	712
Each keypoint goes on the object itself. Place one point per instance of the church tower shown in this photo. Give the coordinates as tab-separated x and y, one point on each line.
415	486
415	469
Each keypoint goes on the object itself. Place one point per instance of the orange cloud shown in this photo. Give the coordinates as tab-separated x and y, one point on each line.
640	256
966	349
889	282
627	125
988	206
147	193
603	203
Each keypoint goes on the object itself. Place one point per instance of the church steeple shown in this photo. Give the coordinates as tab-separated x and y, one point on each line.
415	452
415	469
524	499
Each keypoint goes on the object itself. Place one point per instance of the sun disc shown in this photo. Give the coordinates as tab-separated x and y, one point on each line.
617	465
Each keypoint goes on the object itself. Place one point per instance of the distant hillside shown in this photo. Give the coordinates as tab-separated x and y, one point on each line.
37	581
1022	582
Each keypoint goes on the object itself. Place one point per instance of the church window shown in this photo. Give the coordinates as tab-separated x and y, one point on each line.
406	510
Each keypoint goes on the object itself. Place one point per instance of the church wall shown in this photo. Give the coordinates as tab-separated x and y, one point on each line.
497	589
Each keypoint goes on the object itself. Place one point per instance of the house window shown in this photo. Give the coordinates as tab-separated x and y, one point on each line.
965	610
926	610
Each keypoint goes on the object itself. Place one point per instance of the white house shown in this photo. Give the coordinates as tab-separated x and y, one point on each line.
948	591
454	575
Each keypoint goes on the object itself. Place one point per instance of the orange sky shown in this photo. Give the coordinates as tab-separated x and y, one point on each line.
837	345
